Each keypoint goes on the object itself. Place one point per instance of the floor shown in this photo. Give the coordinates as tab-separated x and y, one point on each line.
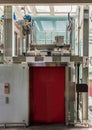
48	127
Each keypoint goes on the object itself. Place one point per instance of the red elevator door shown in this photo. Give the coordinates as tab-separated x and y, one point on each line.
48	94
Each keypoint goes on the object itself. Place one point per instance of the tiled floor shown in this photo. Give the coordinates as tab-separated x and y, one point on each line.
48	127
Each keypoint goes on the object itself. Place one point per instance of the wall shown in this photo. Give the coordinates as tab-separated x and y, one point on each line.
17	109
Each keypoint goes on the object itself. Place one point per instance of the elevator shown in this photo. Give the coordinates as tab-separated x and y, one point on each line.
47	94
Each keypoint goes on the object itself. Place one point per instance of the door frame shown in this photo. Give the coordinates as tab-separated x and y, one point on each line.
31	92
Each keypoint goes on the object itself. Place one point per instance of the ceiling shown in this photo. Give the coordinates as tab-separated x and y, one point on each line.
43	10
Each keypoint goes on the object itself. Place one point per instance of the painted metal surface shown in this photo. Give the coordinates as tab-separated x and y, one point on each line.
85	54
66	95
69	98
8	31
48	94
16	110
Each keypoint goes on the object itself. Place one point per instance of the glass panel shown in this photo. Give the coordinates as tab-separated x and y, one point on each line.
42	8
61	25
41	37
47	25
2	8
65	8
53	36
48	38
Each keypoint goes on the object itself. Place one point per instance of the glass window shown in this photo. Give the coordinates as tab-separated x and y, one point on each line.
42	8
65	8
47	25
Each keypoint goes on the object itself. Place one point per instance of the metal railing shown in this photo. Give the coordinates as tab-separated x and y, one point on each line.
48	37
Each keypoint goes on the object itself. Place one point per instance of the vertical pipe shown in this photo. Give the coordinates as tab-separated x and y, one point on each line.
78	73
24	46
66	35
76	93
78	70
27	38
78	30
29	42
71	36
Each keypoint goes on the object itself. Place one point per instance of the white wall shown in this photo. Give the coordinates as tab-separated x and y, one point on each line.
17	109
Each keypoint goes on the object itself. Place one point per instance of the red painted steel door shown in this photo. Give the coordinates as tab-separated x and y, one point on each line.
48	94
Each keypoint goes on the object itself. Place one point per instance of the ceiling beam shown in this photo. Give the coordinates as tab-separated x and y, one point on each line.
51	10
43	1
33	9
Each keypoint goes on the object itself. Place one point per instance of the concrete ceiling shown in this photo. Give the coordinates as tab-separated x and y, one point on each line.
43	1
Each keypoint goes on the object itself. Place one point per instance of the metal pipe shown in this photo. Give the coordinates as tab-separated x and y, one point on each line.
66	35
24	46
78	30
78	70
